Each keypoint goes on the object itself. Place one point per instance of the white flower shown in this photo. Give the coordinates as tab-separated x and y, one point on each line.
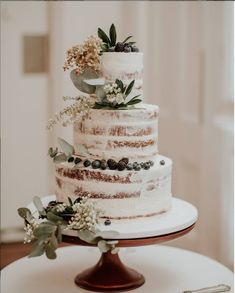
119	98
111	98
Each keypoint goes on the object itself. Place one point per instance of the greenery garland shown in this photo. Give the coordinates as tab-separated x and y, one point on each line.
46	225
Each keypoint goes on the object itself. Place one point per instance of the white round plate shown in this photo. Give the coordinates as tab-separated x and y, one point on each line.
181	216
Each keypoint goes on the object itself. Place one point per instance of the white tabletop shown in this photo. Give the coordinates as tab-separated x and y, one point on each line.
166	270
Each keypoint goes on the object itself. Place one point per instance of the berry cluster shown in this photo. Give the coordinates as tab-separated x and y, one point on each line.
124	47
112	164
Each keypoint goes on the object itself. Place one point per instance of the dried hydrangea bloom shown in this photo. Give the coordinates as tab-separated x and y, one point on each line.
85	55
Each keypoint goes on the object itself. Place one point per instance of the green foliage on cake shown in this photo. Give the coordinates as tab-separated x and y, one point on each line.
45	227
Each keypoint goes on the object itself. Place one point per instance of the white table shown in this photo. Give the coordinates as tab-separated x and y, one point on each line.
166	269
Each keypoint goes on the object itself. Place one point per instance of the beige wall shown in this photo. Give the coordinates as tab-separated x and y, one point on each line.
24	99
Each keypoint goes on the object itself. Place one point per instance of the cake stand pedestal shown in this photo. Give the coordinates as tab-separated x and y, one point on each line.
110	274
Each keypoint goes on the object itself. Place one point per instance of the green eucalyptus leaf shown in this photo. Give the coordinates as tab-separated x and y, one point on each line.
103	246
113	35
99	92
102	35
50	251
133	102
129	88
52	153
38	249
54	242
105	47
79	83
107	234
59	234
88	236
60	158
25	213
67	148
126	39
54	218
38	204
44	230
82	150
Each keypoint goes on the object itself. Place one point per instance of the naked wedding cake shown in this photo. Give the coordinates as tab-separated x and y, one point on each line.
114	159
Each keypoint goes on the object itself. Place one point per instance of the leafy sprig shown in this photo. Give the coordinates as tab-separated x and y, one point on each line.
105	103
52	220
110	40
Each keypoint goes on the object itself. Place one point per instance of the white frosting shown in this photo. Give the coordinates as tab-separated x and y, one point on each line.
146	192
124	66
120	133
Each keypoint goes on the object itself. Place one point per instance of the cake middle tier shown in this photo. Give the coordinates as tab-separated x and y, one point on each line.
119	194
116	134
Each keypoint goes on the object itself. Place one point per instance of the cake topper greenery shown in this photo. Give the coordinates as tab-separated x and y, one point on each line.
45	226
86	75
110	43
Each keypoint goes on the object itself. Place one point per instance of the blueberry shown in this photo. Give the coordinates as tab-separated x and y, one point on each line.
129	166
107	222
119	47
146	166
127	49
121	166
112	164
96	164
87	163
137	167
125	160
134	48
151	163
77	160
70	159
162	162
103	165
134	164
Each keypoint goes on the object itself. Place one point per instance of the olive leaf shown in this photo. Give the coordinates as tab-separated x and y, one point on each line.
102	35
126	39
70	201
133	101
99	92
113	35
79	80
67	148
120	84
129	88
38	204
60	158
59	234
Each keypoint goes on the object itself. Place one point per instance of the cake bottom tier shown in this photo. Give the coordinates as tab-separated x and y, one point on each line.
119	194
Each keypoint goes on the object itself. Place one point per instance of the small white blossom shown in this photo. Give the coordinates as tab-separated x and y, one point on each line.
119	98
61	207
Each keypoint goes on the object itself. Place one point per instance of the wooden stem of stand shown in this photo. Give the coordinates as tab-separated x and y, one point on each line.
109	274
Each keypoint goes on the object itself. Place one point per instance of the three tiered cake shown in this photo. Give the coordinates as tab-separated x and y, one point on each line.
121	169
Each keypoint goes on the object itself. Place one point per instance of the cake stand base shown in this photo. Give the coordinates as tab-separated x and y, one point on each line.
109	275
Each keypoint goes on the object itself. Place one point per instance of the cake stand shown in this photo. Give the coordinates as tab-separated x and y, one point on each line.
110	274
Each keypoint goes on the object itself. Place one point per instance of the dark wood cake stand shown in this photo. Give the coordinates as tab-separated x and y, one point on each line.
110	274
